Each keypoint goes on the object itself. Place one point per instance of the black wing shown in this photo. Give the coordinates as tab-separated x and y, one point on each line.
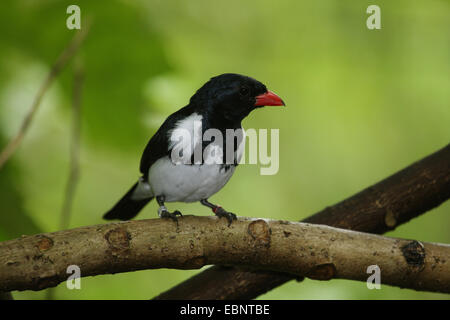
158	146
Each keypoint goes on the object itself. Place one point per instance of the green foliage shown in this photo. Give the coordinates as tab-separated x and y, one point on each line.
14	221
120	54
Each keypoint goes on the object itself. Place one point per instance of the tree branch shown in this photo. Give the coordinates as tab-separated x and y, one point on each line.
59	64
72	180
397	199
319	252
74	174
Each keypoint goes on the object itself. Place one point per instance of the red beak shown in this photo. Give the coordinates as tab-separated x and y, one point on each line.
268	99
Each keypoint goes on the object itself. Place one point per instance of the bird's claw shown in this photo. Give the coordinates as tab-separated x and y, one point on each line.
221	212
171	215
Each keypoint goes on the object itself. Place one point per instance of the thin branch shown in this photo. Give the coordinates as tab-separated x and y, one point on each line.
59	64
397	199
72	181
301	249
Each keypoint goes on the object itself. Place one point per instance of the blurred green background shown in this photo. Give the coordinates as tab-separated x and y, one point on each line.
361	104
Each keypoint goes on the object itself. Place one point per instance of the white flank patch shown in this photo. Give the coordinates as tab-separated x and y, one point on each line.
185	137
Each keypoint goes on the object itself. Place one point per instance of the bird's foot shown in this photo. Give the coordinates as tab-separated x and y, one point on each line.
164	213
221	212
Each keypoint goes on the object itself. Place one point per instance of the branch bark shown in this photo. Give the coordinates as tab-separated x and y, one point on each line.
301	249
395	200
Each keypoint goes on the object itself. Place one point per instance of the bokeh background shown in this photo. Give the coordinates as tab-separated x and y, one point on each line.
361	104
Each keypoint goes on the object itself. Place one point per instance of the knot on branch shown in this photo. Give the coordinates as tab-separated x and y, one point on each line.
390	219
44	243
260	232
118	241
324	271
414	254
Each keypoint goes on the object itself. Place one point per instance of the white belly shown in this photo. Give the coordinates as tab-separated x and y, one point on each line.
187	183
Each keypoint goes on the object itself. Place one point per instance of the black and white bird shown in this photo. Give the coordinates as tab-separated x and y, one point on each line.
221	103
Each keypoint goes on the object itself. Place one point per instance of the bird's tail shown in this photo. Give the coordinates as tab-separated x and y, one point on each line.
129	206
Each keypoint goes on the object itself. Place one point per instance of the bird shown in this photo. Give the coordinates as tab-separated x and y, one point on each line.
220	104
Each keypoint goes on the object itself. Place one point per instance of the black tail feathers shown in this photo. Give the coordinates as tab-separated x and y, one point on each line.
126	208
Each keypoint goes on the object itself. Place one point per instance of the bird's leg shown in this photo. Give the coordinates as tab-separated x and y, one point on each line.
219	211
164	213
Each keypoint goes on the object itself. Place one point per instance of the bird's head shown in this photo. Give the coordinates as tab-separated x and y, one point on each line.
233	96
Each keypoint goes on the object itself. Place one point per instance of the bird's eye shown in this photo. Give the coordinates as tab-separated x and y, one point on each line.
243	91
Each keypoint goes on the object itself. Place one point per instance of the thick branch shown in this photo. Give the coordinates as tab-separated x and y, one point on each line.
301	249
397	199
